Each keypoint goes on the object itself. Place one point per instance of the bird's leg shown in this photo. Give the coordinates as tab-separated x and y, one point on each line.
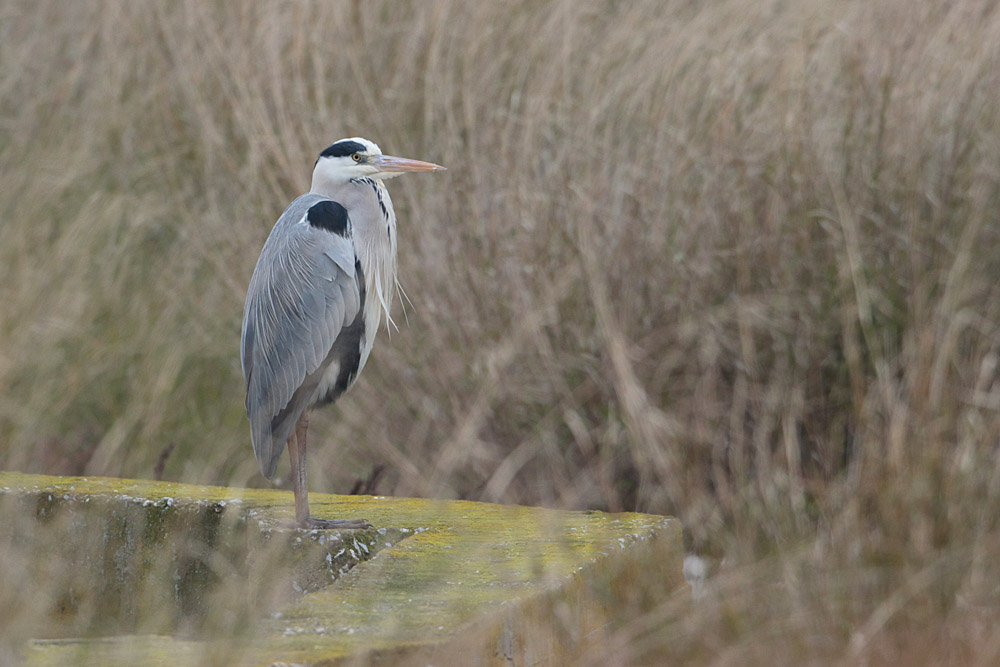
297	454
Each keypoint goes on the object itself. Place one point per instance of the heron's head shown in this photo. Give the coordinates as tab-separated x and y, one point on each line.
353	158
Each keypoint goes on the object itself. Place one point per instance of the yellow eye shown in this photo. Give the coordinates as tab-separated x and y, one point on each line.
356	157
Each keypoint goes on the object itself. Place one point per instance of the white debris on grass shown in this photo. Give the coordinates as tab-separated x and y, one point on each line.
695	573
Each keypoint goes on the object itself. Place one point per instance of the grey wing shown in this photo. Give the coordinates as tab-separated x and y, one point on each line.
306	291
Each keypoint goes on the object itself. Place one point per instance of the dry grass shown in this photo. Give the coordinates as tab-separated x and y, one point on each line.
735	261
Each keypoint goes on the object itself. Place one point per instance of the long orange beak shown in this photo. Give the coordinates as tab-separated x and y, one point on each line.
399	164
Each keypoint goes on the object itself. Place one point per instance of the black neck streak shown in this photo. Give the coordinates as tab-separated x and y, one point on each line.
329	216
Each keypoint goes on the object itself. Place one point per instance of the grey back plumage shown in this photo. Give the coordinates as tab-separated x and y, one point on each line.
303	325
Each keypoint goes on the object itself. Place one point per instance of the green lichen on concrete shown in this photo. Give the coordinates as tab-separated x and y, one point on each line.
470	561
157	563
480	577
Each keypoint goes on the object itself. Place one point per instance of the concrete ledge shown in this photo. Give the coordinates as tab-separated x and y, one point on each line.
450	582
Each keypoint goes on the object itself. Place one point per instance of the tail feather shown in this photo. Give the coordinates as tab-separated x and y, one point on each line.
269	436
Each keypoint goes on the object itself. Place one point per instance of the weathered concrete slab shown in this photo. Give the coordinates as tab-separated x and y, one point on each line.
433	582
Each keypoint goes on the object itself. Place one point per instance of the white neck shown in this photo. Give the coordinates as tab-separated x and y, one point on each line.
374	238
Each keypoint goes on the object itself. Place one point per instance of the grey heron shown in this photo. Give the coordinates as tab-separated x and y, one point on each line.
324	279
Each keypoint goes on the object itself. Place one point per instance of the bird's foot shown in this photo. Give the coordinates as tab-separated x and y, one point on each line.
312	523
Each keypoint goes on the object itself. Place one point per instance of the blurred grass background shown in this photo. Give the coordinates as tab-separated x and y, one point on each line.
734	261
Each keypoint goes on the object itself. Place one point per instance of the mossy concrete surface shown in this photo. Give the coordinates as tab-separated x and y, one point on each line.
432	582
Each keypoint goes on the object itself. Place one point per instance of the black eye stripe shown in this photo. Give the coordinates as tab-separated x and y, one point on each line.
343	149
